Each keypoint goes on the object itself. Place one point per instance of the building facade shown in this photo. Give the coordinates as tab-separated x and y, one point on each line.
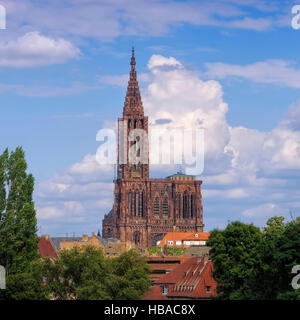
85	241
184	239
145	209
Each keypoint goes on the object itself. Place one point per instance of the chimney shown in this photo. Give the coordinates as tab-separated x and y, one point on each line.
85	237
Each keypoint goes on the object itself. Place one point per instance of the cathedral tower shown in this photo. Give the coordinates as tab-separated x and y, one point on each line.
145	209
133	132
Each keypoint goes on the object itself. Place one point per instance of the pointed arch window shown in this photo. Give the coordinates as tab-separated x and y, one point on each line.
137	237
156	206
130	207
143	204
166	206
179	200
136	204
185	205
192	205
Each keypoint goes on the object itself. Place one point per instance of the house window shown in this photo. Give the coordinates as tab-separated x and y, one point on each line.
170	243
178	243
164	290
207	288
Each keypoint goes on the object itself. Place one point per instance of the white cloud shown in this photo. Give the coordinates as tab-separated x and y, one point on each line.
47	91
261	213
178	95
228	193
258	24
46	213
107	20
278	72
159	61
90	170
77	198
265	210
34	49
237	159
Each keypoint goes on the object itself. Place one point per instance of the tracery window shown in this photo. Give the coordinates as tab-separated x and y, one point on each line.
166	206
156	206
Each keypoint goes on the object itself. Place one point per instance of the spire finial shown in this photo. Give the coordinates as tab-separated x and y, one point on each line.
132	63
133	102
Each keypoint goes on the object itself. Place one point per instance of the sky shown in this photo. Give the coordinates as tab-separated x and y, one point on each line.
230	67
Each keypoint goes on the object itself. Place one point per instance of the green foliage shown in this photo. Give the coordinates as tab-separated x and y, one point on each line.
85	274
27	285
18	225
287	255
129	276
172	251
249	264
235	255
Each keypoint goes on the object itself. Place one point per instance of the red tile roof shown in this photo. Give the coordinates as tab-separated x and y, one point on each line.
177	273
46	249
195	282
190	279
155	293
167	259
163	263
186	236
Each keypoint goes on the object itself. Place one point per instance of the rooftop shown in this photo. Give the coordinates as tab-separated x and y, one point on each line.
181	176
184	236
191	279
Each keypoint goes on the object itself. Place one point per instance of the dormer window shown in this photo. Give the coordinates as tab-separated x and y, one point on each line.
164	290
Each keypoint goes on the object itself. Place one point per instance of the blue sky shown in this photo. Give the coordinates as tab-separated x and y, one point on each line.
64	67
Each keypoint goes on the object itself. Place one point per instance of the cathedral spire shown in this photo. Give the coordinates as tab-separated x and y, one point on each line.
133	102
132	63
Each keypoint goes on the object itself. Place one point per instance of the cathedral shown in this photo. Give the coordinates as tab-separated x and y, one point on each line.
145	209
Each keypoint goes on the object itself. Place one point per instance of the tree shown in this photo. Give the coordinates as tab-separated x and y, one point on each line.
279	252
235	256
249	264
27	285
18	225
286	257
264	285
171	251
85	274
78	273
129	279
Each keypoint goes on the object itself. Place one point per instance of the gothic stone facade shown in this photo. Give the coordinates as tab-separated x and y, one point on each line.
145	209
